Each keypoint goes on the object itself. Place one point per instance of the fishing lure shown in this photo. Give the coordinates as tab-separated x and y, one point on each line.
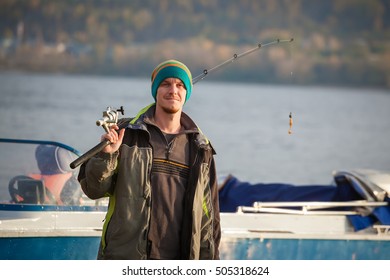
291	123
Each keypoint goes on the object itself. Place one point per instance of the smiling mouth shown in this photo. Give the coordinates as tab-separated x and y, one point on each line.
172	99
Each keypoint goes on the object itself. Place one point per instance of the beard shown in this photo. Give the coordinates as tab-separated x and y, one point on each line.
170	110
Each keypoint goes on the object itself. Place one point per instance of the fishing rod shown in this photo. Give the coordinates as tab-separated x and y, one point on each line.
236	57
110	116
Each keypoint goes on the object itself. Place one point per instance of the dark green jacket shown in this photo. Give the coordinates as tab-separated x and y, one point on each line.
125	177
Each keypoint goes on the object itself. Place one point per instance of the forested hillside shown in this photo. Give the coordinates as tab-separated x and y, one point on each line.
336	42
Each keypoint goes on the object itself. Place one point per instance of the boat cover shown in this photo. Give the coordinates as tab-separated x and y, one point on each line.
234	193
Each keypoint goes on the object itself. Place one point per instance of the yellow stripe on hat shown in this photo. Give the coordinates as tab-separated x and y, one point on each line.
170	63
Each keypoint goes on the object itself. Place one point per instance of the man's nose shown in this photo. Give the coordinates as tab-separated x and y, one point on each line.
173	89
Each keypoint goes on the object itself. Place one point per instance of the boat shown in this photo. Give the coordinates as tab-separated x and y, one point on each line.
347	219
34	225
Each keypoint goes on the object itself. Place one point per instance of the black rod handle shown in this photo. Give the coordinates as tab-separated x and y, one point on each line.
83	158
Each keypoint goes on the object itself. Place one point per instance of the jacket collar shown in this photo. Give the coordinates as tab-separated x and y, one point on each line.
146	116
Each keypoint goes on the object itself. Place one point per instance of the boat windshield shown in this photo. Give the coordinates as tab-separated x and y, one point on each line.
38	172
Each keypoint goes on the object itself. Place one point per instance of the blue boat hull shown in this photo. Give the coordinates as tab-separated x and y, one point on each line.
49	248
85	248
305	249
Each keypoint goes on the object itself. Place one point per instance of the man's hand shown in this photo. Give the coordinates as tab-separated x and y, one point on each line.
115	139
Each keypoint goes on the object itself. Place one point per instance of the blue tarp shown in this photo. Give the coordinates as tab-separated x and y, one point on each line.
235	193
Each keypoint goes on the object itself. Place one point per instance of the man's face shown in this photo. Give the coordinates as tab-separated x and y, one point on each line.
171	95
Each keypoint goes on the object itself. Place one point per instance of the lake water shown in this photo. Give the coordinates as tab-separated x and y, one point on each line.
334	128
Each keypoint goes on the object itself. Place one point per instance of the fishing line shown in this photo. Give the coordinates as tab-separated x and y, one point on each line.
236	57
290	117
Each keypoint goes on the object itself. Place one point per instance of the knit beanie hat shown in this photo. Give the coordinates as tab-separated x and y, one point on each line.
171	69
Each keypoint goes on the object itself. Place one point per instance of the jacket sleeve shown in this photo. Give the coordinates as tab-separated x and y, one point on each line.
96	176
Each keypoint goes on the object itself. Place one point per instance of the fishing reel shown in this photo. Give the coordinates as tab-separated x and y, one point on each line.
110	118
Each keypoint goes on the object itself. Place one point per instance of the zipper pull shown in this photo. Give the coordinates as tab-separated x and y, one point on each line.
169	149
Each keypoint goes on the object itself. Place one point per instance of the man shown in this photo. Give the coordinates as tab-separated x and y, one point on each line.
160	175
